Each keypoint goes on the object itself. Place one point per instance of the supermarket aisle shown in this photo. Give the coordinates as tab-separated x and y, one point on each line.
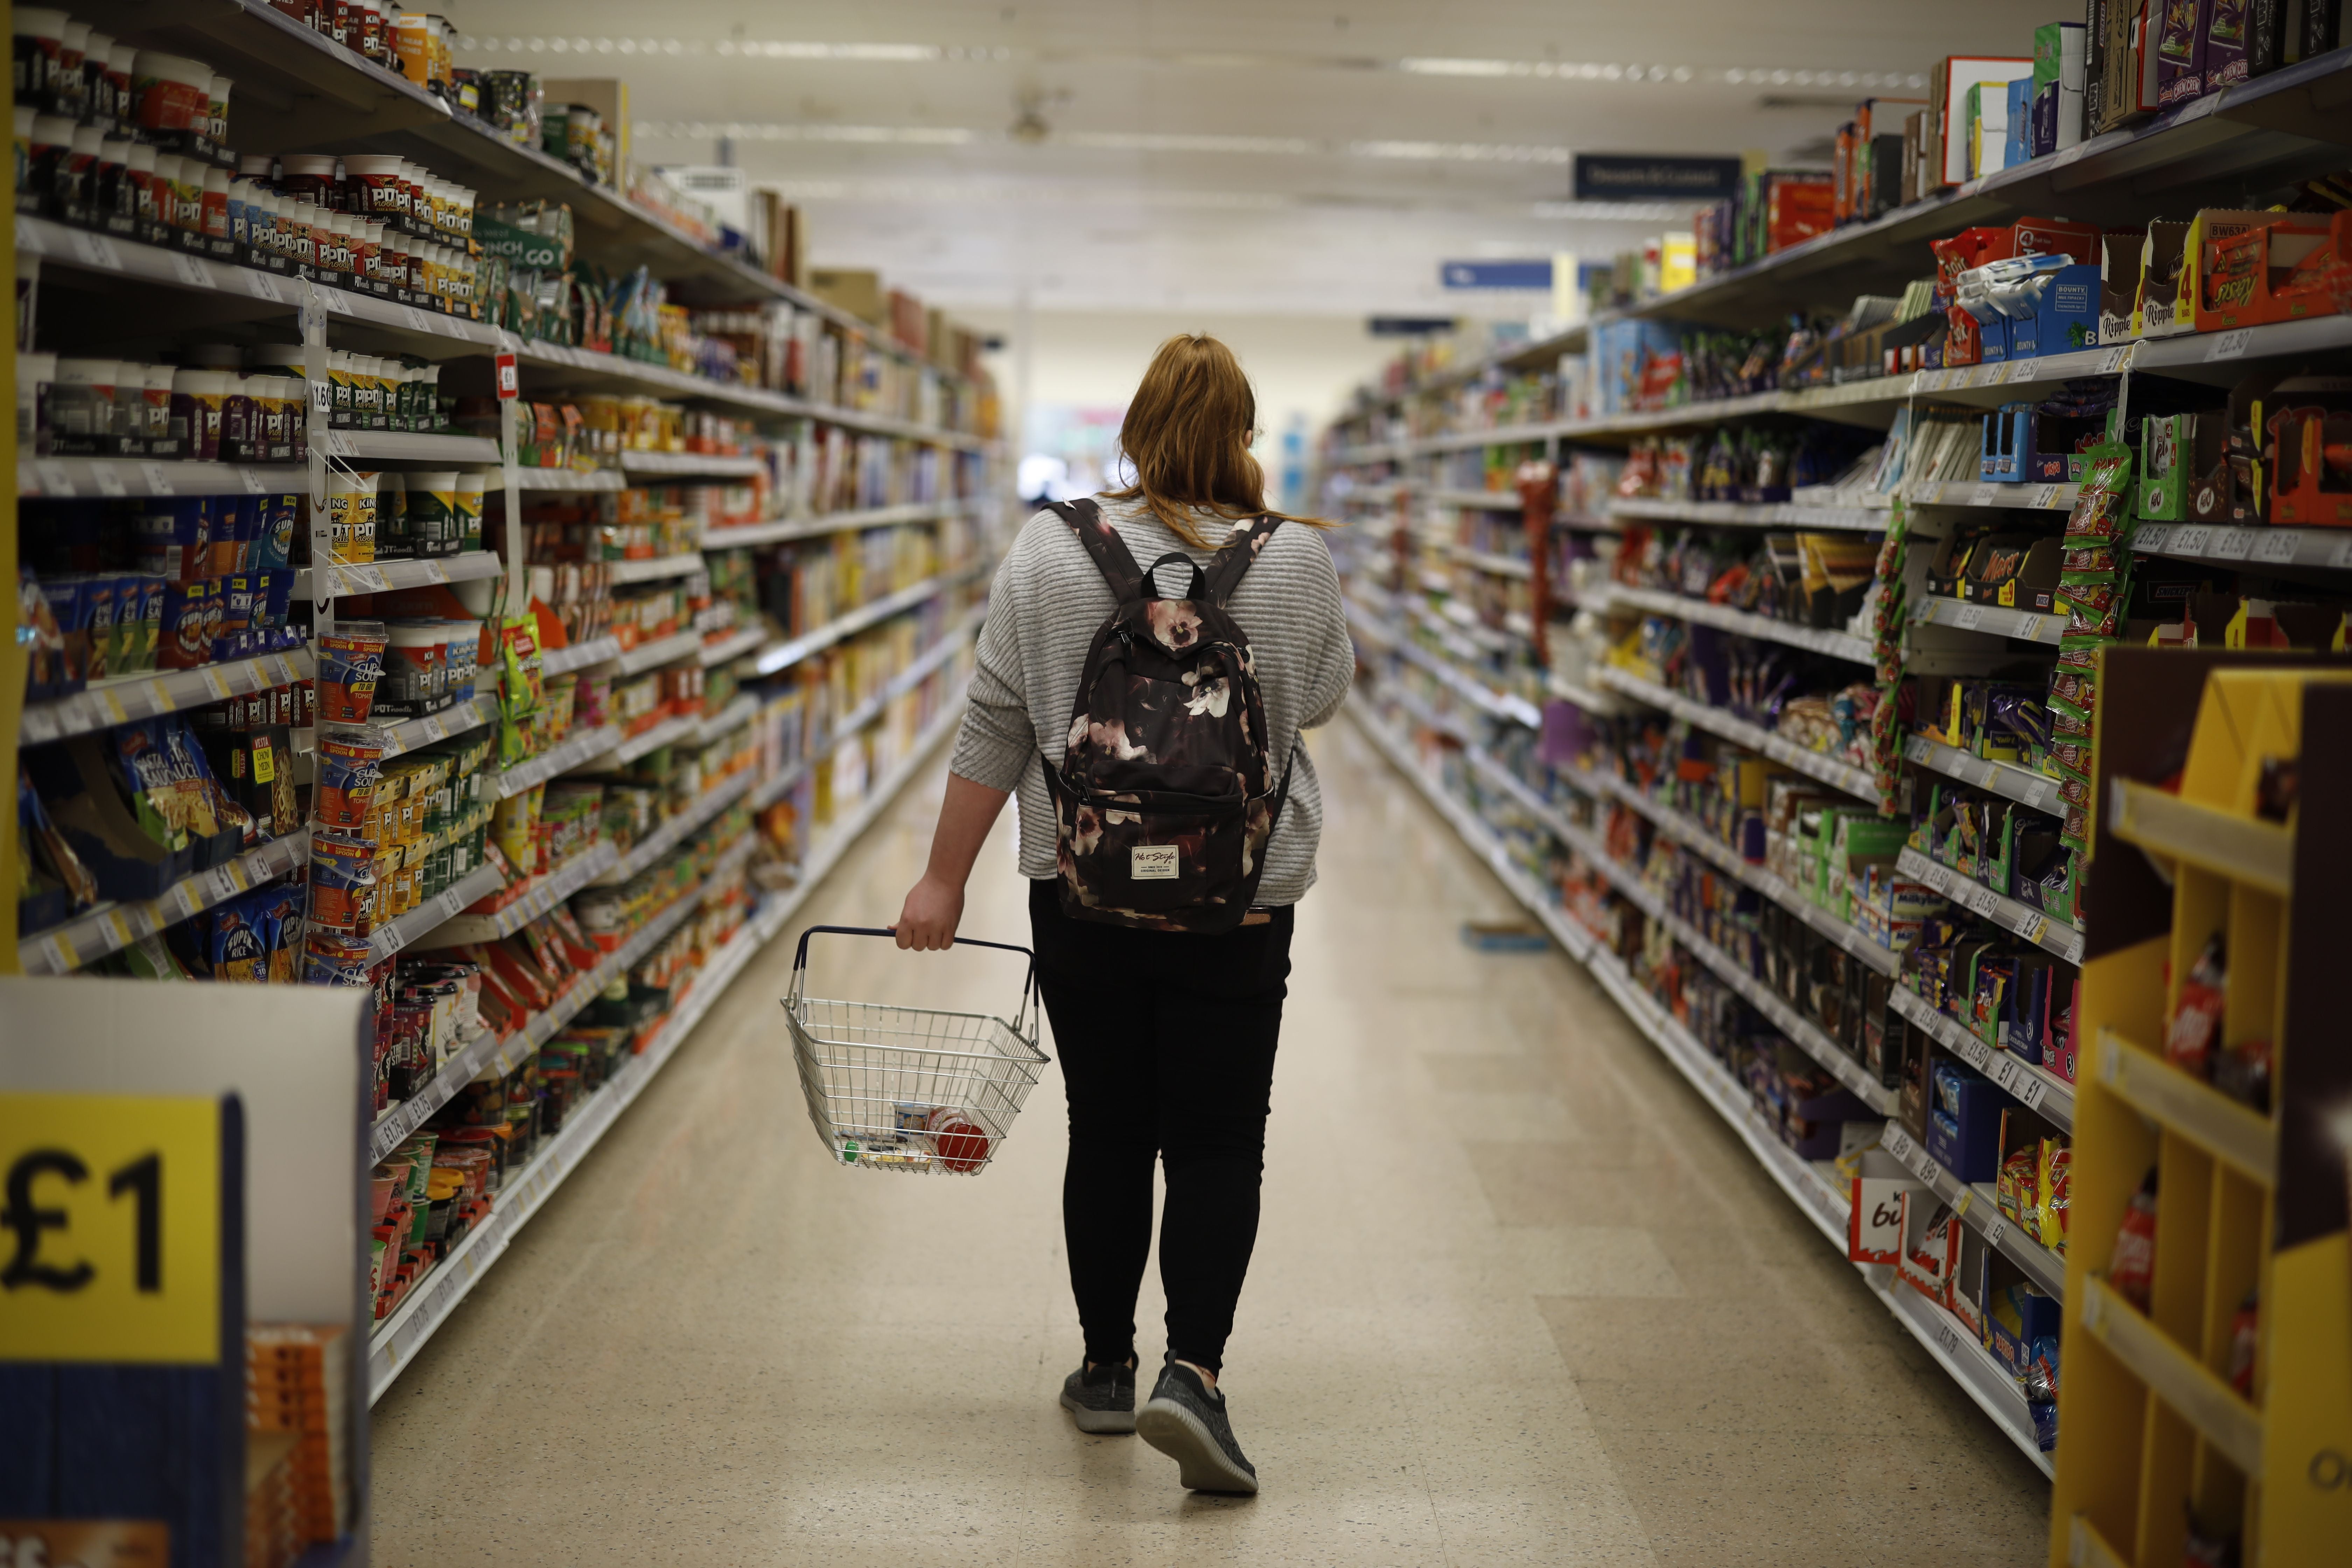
1520	1296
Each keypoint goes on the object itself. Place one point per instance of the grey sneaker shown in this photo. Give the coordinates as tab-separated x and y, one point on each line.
1186	1422
1101	1401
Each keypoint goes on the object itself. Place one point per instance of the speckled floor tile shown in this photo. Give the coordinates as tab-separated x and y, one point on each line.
1518	1297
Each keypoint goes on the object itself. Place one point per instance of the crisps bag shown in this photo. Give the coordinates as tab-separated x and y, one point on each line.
1165	795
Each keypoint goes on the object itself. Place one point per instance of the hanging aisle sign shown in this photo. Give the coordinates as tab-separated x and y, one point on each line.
1623	177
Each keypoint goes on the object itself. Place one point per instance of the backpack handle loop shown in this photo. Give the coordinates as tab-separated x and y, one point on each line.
1200	588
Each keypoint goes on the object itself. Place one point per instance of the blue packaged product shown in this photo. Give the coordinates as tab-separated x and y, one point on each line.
274	534
175	536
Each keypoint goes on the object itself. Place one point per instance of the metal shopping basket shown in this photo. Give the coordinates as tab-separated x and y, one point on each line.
912	1088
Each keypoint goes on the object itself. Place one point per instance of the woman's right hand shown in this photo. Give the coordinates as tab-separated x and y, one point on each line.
934	909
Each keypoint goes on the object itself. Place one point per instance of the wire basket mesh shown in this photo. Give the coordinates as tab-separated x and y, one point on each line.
913	1089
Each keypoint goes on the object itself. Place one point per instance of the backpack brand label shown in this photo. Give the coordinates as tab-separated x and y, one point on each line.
1152	863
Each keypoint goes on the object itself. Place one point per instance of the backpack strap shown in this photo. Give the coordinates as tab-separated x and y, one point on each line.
1225	568
1102	541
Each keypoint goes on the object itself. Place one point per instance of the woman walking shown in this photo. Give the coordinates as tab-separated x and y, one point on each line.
1169	822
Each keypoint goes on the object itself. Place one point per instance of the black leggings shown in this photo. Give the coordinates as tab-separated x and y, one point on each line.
1166	1042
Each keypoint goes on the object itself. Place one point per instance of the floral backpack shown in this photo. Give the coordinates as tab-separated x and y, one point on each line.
1165	795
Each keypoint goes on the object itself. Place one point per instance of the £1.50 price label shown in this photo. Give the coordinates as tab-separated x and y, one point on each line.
109	1228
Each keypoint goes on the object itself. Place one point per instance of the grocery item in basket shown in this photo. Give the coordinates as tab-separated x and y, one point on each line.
960	1143
350	662
913	1116
880	1150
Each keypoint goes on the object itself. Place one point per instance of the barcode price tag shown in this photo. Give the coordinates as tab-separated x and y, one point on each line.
2026	370
1963	1201
57	954
2191	540
2277	546
2028	627
262	286
2029	1089
2234	543
1980	899
192	270
181	900
1985	494
2113	360
96	250
108	477
1930	1171
56	479
1969	617
1898	1143
222	883
2045	498
214	685
415	319
253	485
1996	1231
118	928
2032	926
335	302
389	939
2230	345
108	706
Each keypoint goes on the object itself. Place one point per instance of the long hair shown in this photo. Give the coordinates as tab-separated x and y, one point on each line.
1188	432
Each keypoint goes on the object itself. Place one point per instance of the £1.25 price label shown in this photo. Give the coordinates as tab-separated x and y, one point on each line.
109	1228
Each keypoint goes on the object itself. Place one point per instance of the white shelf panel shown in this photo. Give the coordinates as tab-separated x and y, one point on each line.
905	680
2329	548
562	757
1477	693
384	576
575	481
1982	1377
1478	500
691	464
580	655
62	949
2045	931
103	706
395	1341
782	530
749	640
1855	781
543	893
1837	645
1743	515
2045	627
654	569
784	654
411	929
684	727
2036	1088
406	447
648	655
62	477
1993	492
736	714
2025	786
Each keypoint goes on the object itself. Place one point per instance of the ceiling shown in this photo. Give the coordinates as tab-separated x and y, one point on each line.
1271	156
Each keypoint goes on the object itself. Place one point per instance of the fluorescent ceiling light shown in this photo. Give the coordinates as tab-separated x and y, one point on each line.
1113	141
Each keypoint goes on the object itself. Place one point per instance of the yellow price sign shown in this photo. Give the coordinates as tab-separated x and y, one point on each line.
109	1228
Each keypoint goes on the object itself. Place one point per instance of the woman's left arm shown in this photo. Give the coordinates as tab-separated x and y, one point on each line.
1330	665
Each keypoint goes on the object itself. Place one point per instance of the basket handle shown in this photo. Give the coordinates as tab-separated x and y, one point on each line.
1028	984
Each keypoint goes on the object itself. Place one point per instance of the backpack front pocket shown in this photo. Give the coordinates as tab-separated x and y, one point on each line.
1180	858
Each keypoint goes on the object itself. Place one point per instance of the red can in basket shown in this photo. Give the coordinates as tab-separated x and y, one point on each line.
959	1142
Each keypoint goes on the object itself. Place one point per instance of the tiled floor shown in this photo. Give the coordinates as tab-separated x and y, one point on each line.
1519	1295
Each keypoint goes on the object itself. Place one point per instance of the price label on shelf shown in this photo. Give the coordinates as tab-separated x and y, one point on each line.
117	927
223	883
2234	543
108	478
1985	494
2032	925
96	250
1980	899
2045	498
1996	1231
415	319
2277	546
262	286
1929	1171
2029	1089
450	903
2028	627
181	900
1969	617
214	685
362	579
2230	345
336	304
2153	539
2192	541
2026	370
110	706
192	270
2113	360
56	479
388	939
1963	1201
2039	793
253	485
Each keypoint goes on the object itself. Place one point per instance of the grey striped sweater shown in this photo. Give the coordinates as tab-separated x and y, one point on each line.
1043	609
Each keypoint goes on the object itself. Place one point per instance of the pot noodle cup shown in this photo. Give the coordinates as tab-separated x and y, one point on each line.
351	518
433	516
342	880
350	662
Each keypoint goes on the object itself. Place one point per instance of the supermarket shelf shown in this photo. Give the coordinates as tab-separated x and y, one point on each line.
672	732
580	655
541	894
1978	1207
1690	833
2330	548
1430	719
695	465
1497	566
2237	1133
619	868
1984	492
382	576
2042	930
412	733
749	640
1982	1377
785	529
1602	704
2026	626
145	695
1480	500
656	568
1807	1186
2244	849
1479	695
2036	1088
62	949
2185	1383
562	757
484	1051
396	1340
735	715
1837	645
60	477
866	712
575	481
425	920
667	651
784	654
2039	791
1855	781
1741	514
408	447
